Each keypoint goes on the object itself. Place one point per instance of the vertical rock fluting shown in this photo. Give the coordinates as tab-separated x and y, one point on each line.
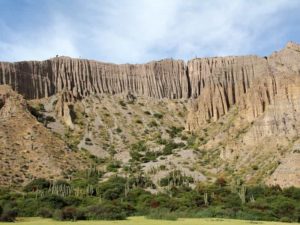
160	79
249	83
220	83
215	84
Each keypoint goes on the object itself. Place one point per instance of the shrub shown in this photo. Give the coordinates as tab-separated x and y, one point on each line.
174	131
106	211
137	149
37	184
113	166
158	115
170	146
9	215
220	182
68	213
153	124
283	208
53	202
28	206
255	167
113	188
139	121
45	213
119	130
122	103
285	220
292	192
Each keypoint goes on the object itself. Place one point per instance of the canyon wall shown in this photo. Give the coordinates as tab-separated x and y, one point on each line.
251	84
38	79
216	84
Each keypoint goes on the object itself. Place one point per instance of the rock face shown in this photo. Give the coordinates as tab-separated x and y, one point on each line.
161	79
220	83
260	97
250	83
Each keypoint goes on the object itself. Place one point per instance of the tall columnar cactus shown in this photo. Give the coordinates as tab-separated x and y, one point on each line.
242	194
205	197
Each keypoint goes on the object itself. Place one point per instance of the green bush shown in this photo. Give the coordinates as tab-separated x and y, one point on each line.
8	215
37	184
170	146
174	131
113	166
28	206
69	214
122	103
158	115
285	220
292	192
153	123
121	197
52	201
45	213
106	211
113	188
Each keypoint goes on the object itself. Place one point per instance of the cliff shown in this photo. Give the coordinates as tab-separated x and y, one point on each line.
254	104
220	81
250	83
38	79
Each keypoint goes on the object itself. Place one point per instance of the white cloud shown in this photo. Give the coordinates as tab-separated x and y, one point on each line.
142	30
39	44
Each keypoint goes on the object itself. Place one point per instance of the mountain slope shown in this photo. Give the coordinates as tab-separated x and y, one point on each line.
232	117
28	149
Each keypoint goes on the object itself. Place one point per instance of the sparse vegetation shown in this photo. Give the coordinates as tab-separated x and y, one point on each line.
158	115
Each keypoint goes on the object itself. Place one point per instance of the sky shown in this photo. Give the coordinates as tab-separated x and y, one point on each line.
138	31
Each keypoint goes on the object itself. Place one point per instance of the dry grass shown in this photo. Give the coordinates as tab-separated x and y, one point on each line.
143	221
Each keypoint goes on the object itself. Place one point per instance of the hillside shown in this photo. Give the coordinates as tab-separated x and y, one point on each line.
28	149
232	117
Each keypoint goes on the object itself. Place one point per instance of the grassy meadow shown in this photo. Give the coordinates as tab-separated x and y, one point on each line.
142	221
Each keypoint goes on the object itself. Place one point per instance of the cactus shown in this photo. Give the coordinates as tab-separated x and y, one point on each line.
242	194
205	197
252	199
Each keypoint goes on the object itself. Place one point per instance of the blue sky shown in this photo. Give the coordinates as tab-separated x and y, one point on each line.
137	31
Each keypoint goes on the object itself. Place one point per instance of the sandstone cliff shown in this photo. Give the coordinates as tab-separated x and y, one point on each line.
254	85
161	79
257	101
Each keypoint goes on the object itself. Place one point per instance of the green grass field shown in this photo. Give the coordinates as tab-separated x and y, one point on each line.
142	221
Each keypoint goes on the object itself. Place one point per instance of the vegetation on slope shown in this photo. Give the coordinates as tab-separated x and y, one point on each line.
120	197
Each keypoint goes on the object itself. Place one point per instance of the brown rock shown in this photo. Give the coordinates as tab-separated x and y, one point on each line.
161	79
27	148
